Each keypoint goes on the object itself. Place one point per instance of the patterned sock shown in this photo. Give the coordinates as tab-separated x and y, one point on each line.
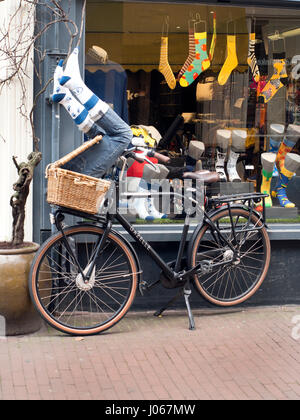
200	63
164	66
75	109
72	80
274	147
251	60
276	82
231	61
214	38
265	186
280	189
191	55
285	147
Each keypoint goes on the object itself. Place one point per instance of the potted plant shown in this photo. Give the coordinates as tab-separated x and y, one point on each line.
19	34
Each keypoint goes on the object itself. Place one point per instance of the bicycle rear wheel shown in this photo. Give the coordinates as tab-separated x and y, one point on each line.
235	282
64	300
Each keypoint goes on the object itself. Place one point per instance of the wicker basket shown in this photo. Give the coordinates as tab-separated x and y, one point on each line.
74	190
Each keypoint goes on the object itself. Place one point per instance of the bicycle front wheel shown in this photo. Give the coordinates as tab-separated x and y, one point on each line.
79	307
236	281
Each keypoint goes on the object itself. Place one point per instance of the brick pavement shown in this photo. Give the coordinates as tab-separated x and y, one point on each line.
248	353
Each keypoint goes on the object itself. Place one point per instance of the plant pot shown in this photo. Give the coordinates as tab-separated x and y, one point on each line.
17	314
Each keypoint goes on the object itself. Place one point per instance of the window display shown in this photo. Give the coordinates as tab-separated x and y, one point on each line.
211	87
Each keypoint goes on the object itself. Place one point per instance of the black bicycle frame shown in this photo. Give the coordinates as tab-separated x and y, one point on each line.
167	270
170	273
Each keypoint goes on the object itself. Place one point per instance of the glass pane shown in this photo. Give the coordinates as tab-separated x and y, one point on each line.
211	87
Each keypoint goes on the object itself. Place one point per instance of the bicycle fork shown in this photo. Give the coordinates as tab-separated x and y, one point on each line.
85	277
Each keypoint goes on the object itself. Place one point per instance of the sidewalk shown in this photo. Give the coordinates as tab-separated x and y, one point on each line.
248	353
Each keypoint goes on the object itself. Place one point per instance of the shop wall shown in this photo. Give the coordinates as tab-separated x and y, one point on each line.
57	132
280	287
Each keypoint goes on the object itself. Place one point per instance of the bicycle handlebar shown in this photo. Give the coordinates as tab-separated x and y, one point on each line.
143	157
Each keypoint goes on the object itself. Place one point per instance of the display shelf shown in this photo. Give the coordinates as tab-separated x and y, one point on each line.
277	212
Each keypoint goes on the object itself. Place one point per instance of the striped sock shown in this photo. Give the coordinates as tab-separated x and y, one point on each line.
191	55
71	79
164	66
251	60
74	108
214	38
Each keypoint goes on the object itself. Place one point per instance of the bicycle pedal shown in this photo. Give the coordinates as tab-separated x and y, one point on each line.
143	287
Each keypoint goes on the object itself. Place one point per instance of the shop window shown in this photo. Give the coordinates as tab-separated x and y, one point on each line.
211	87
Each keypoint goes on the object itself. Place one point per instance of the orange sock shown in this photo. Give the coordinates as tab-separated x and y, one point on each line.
164	66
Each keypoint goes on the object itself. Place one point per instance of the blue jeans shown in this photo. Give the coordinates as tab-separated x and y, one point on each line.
97	160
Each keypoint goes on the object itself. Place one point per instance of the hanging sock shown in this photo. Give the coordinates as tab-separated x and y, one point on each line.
191	55
63	96
280	189
72	80
231	61
214	38
277	80
265	186
164	66
199	64
251	60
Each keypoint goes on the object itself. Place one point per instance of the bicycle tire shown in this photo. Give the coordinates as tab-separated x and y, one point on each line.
232	284
61	297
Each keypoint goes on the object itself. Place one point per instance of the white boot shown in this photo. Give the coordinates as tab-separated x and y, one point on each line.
140	207
220	166
231	167
152	210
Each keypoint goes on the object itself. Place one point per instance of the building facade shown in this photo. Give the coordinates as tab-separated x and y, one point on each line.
227	73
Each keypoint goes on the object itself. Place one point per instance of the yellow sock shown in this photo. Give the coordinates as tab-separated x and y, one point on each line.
231	61
266	185
164	66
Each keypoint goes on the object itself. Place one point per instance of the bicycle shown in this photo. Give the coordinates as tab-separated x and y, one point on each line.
84	278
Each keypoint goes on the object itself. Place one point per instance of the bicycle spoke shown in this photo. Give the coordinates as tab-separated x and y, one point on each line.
80	303
243	253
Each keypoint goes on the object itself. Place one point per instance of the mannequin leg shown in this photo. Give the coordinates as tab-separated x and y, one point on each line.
291	138
139	204
195	151
268	161
223	137
290	165
237	146
276	132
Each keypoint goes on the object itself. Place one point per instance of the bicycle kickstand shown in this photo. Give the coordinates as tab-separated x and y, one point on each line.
187	293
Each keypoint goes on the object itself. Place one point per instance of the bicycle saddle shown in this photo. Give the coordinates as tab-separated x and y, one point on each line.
207	177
